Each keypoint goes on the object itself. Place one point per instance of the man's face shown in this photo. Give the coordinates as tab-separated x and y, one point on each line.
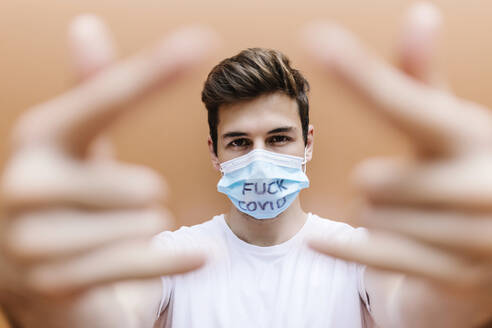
270	122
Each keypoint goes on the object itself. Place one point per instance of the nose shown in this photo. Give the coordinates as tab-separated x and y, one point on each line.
258	143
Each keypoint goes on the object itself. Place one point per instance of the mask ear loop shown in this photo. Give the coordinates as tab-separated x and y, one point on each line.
304	162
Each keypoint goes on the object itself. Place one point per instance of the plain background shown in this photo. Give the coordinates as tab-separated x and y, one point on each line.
169	131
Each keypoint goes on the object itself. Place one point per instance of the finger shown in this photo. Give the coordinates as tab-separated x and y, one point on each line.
73	119
458	184
53	234
92	49
102	149
131	260
418	43
46	177
435	120
466	233
393	253
91	45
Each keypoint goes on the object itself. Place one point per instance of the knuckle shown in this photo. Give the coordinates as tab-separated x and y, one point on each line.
37	285
158	219
13	186
148	182
115	185
154	181
471	277
20	240
45	282
22	131
31	176
29	128
375	173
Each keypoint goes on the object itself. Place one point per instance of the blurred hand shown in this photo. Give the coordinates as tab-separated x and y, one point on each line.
73	217
431	217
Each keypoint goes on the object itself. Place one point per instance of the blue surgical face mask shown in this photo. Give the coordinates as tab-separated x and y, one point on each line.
262	183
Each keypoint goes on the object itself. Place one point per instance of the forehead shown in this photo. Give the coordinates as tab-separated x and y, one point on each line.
261	114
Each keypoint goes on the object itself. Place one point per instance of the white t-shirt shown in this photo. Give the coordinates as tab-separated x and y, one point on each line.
243	285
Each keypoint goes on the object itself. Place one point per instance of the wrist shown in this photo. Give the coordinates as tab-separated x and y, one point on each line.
424	304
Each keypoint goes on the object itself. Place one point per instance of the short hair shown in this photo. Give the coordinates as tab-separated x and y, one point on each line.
252	73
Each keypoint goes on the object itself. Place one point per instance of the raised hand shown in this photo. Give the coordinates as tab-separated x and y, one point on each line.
431	216
73	217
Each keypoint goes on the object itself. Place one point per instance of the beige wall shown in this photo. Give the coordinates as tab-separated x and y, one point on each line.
169	133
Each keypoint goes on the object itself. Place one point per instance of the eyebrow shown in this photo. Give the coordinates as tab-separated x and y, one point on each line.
282	129
242	134
234	134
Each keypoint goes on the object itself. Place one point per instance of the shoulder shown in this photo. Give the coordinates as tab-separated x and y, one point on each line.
190	236
331	228
346	235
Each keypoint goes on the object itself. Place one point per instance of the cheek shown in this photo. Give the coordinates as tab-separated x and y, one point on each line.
227	154
224	153
295	148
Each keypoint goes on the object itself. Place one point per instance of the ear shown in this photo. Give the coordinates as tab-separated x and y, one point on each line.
310	143
213	156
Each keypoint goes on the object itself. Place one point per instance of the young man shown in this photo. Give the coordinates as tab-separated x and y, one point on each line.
77	221
260	271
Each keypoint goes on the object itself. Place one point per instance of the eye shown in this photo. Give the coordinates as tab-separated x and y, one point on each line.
238	143
278	140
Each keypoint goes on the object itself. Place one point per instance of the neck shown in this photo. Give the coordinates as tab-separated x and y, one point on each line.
267	232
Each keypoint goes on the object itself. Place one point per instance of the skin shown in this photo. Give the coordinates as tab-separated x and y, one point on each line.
72	235
434	210
430	215
255	120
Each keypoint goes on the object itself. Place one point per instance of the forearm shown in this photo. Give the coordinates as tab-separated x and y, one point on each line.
99	308
421	304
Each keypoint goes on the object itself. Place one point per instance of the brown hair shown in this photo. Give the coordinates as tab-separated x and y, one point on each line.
252	73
